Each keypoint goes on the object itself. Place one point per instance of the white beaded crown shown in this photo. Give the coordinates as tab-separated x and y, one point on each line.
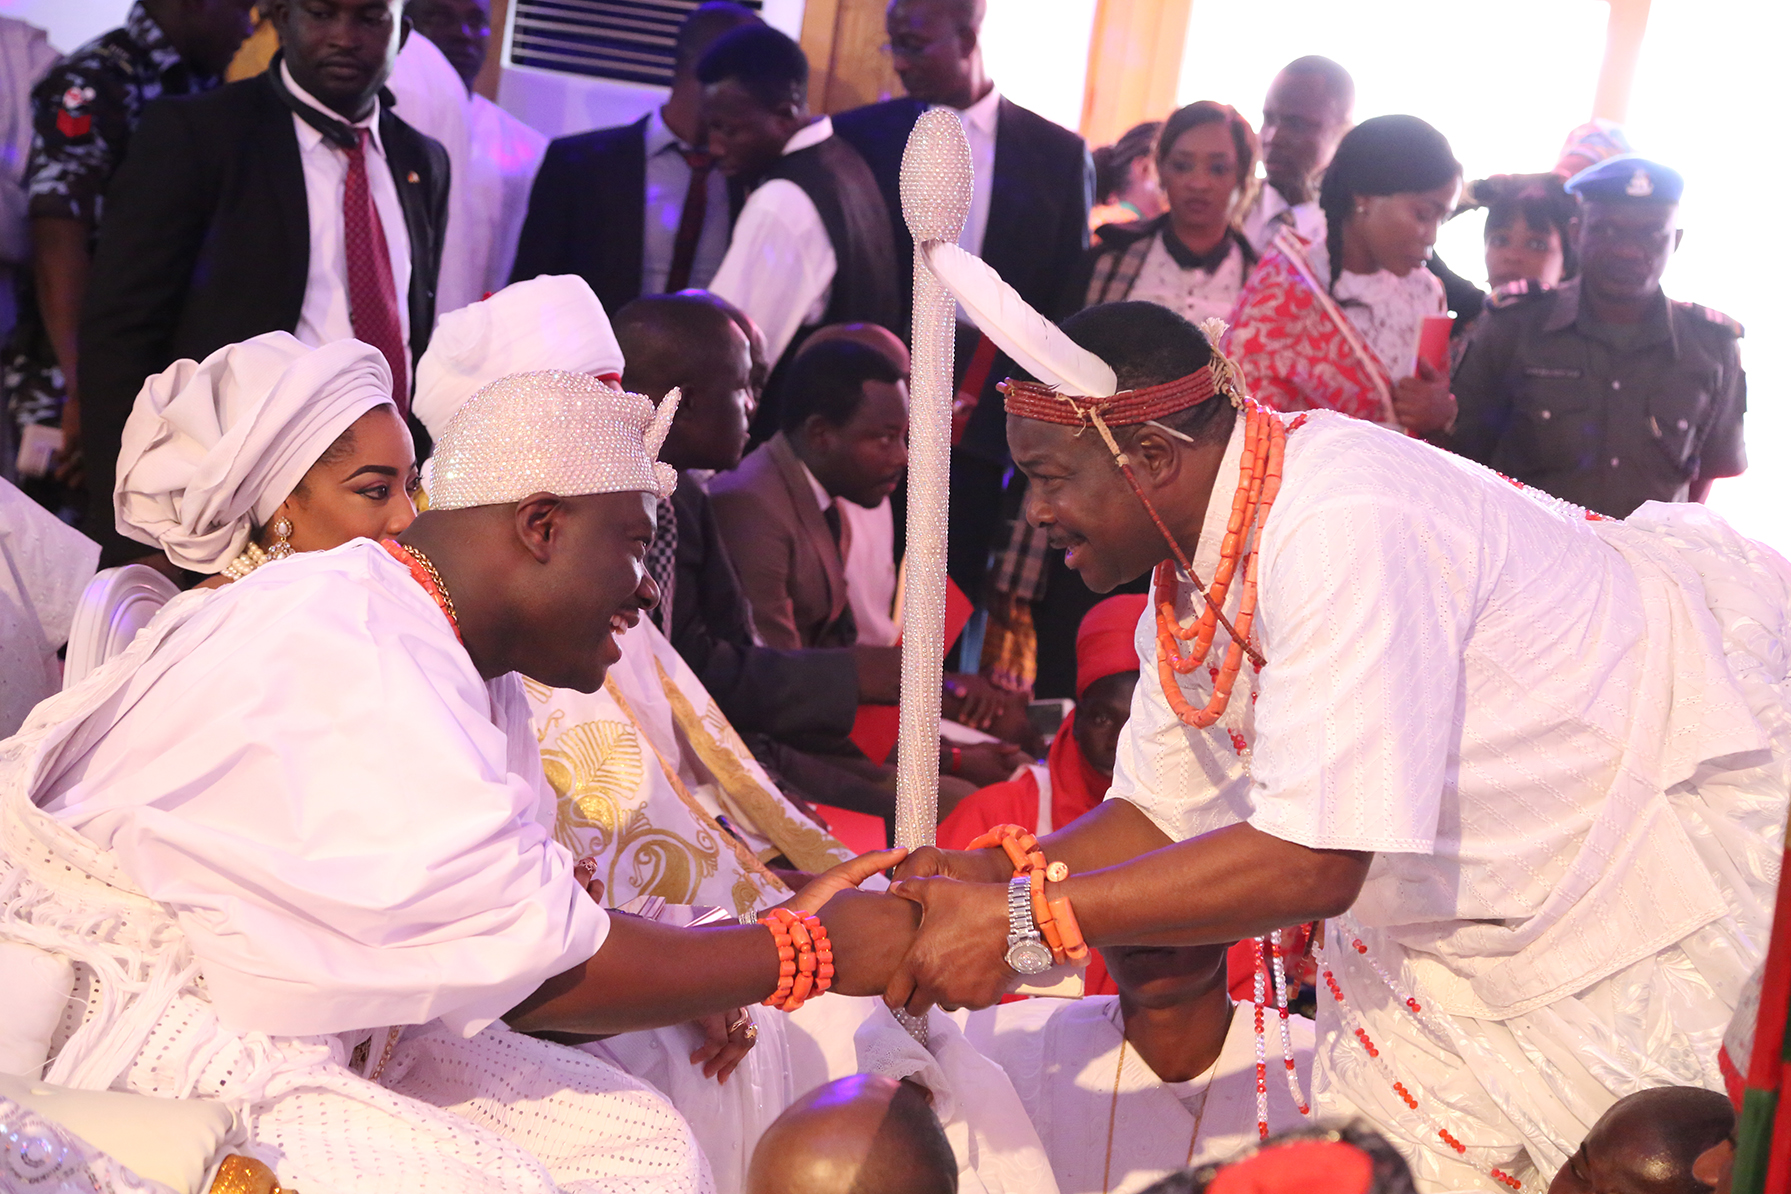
566	434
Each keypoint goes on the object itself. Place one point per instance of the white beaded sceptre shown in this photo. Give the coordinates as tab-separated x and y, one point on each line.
936	186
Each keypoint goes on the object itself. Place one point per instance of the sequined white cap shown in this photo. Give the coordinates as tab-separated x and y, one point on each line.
567	434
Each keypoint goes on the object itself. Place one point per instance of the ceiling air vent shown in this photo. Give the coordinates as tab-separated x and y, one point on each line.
630	40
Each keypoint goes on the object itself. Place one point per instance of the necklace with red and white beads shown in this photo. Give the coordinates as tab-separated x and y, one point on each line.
1268	948
1358	1029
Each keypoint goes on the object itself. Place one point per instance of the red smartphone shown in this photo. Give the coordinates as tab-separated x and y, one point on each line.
1433	341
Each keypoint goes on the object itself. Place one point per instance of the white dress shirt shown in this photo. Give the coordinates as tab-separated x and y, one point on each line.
1102	1113
871	572
979	121
492	159
668	181
324	316
1194	294
780	264
1260	222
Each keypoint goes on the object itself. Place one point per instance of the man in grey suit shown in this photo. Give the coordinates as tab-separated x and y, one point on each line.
843	437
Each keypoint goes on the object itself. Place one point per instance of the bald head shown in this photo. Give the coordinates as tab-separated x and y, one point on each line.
873	336
683	340
1647	1143
861	1135
1304	116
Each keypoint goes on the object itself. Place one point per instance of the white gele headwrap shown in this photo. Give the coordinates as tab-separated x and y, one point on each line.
936	186
550	322
567	434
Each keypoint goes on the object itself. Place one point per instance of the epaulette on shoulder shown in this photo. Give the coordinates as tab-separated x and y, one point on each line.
1513	293
1710	314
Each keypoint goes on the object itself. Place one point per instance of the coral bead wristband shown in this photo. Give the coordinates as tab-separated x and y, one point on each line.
1055	918
804	958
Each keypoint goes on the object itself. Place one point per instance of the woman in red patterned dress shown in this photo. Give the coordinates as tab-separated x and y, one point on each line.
1335	326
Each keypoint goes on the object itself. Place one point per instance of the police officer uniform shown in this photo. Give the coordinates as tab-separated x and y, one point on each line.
83	113
1603	415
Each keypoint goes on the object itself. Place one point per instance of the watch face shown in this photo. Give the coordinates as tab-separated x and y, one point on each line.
1029	957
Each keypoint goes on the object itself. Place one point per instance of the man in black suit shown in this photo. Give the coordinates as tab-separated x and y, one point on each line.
641	208
293	201
1028	219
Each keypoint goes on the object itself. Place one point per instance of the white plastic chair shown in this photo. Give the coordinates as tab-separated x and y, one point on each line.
114	606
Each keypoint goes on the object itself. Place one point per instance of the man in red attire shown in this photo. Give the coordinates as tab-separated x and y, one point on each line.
1077	772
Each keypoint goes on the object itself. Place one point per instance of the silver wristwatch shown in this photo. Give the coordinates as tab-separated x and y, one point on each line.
1026	949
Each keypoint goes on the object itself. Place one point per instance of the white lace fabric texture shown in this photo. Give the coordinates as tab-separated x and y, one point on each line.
1194	294
1529	717
38	1156
1389	310
493	1113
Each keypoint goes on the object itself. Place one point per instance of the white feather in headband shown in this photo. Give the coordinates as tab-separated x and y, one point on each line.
1035	343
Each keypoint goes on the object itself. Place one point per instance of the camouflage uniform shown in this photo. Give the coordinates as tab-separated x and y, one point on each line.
83	112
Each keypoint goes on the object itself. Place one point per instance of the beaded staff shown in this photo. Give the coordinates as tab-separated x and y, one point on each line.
936	186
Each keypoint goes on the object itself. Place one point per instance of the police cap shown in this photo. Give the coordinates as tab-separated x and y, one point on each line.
1627	178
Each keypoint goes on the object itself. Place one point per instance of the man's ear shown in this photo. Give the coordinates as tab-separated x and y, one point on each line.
538	525
1573	231
1154	456
817	433
404	26
1678	235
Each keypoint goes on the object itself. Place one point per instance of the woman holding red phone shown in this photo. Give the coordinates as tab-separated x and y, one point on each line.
1358	324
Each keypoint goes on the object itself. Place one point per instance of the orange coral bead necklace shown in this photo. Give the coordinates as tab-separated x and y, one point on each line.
1259	480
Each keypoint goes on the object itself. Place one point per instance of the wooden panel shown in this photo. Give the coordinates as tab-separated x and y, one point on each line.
848	66
254	54
1622	48
1134	62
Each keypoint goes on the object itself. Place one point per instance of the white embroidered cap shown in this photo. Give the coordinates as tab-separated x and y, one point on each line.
567	434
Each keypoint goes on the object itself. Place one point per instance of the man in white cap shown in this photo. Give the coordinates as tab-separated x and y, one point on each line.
291	840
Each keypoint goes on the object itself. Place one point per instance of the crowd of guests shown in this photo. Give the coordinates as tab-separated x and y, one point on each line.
750	254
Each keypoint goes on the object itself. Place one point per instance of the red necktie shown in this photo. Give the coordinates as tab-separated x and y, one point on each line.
372	296
690	221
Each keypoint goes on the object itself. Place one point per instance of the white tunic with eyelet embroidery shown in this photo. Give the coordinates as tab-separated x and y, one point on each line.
1532	720
293	811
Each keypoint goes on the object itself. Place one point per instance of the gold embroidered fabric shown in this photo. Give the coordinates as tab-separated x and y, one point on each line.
245	1175
641	770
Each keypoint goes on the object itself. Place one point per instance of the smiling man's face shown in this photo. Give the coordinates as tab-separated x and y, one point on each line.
1079	496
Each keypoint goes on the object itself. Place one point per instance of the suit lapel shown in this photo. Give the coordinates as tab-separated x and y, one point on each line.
409	174
284	176
628	225
1007	193
808	517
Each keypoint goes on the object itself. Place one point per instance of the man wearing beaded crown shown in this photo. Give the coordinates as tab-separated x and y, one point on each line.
1528	762
290	841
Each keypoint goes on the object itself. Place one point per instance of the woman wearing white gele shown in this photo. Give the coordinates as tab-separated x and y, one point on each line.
263	449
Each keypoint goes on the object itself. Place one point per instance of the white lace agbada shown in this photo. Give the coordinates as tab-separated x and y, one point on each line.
368	856
1532	719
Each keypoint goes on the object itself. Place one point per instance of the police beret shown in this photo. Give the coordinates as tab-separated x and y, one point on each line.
1627	177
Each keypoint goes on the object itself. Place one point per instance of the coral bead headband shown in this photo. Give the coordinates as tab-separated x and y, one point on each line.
1077	388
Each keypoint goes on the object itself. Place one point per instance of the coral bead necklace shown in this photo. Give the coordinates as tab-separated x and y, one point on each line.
1259	480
